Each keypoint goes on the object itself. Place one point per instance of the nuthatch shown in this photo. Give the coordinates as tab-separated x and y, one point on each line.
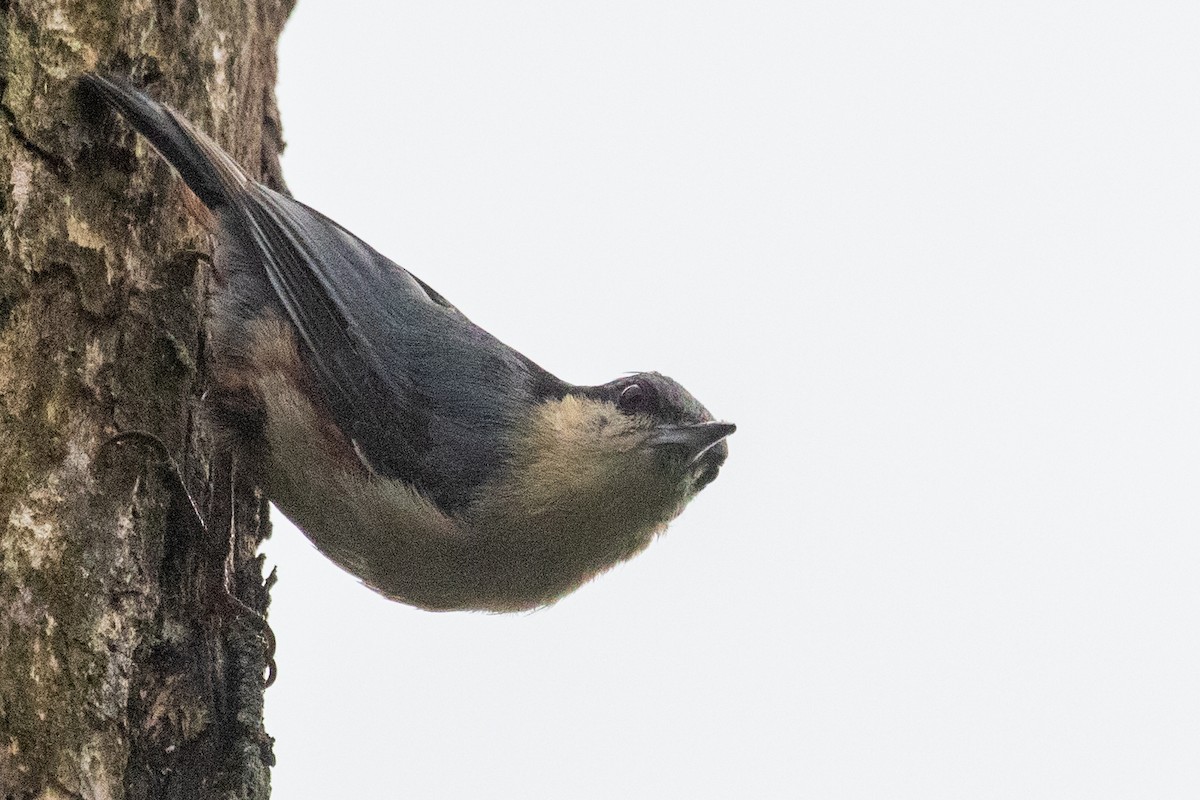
432	461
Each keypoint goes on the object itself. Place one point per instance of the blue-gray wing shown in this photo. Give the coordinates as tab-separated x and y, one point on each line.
424	394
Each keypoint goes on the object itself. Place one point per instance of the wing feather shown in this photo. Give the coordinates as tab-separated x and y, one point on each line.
425	395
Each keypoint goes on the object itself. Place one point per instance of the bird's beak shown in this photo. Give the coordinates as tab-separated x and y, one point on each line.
696	439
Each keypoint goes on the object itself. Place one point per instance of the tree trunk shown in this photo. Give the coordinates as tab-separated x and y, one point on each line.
121	673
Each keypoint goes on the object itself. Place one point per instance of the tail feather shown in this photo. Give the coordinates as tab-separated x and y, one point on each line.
204	167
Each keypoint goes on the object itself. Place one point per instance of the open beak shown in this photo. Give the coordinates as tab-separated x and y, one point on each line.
695	439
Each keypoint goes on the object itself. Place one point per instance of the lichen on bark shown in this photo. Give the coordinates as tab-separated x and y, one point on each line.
117	677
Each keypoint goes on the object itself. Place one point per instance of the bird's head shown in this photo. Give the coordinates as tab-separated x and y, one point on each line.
666	428
627	455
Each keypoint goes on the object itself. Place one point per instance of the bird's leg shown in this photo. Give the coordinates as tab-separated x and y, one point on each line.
192	511
222	549
219	547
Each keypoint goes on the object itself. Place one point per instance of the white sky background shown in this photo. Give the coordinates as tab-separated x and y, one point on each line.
941	264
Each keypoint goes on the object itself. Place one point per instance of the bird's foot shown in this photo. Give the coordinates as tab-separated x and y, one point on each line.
223	602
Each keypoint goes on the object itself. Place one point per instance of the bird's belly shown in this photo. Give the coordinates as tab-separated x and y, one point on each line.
395	542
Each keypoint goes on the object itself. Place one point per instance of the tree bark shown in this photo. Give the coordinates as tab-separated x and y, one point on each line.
120	676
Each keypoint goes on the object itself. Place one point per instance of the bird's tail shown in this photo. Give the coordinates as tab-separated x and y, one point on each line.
204	166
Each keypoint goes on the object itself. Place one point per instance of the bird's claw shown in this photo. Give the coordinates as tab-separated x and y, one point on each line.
228	599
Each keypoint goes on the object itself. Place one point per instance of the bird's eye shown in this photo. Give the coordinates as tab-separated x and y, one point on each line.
634	398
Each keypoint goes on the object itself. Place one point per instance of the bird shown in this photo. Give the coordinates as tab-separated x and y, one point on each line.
439	466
